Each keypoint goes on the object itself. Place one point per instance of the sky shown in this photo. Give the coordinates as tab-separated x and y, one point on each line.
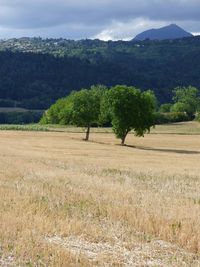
102	19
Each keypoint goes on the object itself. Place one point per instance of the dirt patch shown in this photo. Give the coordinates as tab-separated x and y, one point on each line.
151	254
7	261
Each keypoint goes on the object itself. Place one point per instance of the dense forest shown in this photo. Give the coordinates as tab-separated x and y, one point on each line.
34	72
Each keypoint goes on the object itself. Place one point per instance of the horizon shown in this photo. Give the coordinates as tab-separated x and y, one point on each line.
94	38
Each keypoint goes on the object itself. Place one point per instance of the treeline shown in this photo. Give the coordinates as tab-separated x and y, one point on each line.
19	117
185	106
34	73
126	108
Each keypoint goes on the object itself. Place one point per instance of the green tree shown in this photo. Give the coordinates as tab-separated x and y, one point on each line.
129	109
165	108
179	107
80	108
60	112
86	107
186	100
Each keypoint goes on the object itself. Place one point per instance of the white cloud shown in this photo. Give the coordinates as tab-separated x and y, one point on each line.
196	33
127	30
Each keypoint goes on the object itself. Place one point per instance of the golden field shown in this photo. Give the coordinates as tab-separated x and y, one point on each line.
67	202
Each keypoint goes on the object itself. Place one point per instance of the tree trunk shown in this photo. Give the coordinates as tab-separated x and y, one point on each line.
87	133
123	138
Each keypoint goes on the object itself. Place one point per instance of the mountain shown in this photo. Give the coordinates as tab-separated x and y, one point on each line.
171	31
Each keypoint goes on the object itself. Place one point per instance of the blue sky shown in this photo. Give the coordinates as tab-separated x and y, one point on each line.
103	19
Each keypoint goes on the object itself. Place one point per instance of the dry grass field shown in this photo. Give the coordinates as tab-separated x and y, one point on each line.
65	202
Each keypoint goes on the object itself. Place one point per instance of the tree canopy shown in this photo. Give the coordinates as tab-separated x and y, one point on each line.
81	108
86	107
126	108
129	109
186	100
164	108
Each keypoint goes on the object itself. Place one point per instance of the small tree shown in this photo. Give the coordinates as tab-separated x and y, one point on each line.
60	112
179	107
86	107
186	100
80	108
129	109
165	108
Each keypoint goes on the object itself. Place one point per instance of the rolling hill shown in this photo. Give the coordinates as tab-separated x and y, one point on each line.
35	72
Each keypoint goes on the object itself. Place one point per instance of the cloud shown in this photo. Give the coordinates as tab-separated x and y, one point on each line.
196	33
127	30
105	19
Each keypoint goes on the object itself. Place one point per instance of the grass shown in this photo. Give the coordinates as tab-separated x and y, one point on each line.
186	128
25	127
66	202
182	128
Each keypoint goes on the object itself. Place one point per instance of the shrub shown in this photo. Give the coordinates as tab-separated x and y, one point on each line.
197	117
171	117
165	108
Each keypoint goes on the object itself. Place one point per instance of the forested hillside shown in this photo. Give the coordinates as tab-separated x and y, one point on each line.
35	72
